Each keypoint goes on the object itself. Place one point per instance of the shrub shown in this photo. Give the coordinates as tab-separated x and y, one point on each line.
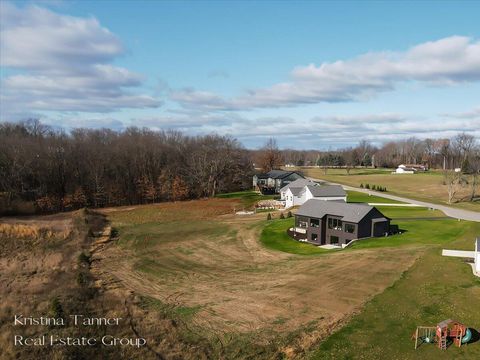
289	214
374	187
269	216
367	186
282	216
114	232
84	259
56	308
361	186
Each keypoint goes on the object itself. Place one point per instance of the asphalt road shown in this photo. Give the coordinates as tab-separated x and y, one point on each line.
449	211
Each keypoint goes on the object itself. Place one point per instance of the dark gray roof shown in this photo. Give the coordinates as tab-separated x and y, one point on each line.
296	190
299	183
349	212
280	174
327	191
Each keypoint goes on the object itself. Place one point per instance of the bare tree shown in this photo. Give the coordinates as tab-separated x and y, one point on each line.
452	181
271	157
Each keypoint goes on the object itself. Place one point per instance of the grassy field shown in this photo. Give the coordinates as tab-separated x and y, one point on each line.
426	186
240	292
434	289
241	288
247	198
359	197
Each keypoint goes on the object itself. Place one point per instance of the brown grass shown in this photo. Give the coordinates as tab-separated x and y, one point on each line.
235	286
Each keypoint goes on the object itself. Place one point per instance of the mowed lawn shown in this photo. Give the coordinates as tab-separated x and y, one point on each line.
233	274
426	186
360	197
434	289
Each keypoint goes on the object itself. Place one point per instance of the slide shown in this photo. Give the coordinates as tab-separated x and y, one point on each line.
467	337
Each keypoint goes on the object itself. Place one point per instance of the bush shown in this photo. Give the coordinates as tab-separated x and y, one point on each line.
56	308
289	214
361	186
374	187
114	233
282	216
367	186
269	216
84	259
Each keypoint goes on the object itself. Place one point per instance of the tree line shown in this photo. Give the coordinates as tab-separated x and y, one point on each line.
53	170
461	151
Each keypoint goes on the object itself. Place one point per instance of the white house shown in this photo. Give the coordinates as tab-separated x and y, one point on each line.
297	184
298	196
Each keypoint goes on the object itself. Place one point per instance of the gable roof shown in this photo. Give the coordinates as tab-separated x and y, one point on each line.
327	191
299	183
348	212
295	190
280	174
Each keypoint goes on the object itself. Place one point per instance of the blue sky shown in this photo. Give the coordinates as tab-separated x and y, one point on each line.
312	74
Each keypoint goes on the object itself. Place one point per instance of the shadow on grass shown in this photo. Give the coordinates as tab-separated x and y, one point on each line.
475	336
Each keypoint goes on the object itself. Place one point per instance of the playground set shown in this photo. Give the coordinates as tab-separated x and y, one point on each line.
446	332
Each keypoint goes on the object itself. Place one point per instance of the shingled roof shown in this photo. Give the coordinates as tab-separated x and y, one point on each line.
327	191
299	183
317	208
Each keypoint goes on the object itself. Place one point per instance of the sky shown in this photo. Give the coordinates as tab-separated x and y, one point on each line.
313	75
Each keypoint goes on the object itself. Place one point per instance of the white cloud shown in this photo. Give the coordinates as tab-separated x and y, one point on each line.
62	63
448	61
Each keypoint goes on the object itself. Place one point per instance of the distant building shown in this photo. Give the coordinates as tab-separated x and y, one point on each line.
274	180
410	168
338	223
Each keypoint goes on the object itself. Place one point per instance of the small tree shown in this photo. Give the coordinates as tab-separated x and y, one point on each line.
269	216
282	216
367	186
374	187
361	186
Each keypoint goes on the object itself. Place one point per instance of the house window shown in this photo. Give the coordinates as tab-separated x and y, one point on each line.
302	222
314	222
349	228
333	239
335	224
314	237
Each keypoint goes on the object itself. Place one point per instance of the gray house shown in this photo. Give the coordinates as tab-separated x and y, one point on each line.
274	180
337	223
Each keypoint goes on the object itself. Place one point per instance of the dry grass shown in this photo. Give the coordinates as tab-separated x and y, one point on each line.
35	232
216	266
422	186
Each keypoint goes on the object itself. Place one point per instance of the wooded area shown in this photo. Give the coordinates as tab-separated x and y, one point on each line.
47	170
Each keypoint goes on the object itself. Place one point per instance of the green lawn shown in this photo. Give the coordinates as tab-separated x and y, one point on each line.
399	212
248	198
434	289
426	186
359	197
274	236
